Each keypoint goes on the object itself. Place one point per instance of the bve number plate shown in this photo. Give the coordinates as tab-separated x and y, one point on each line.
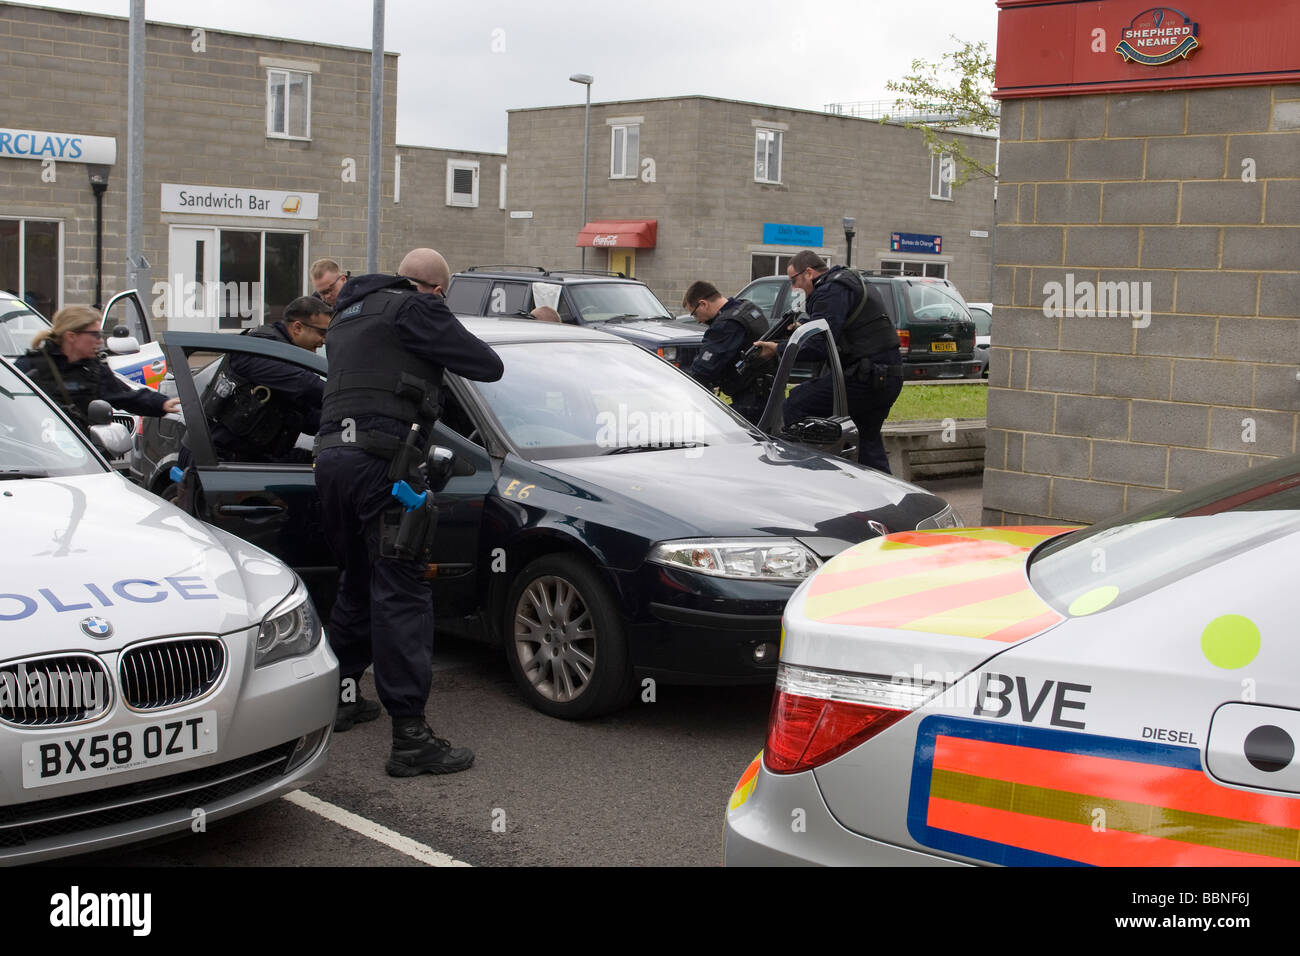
62	759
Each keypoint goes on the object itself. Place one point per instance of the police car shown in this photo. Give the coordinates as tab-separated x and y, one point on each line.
157	674
1124	694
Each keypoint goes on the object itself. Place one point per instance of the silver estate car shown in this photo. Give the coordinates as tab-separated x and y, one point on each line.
155	672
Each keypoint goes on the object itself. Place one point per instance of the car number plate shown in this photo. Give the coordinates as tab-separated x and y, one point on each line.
943	346
63	759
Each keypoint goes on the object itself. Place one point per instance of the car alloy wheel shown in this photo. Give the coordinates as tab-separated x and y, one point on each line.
566	647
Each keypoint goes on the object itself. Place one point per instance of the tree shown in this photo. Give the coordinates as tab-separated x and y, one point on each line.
956	92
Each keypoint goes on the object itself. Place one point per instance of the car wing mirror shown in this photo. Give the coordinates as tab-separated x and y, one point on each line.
814	431
99	412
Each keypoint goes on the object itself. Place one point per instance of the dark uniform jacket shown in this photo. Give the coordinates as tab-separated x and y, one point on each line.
726	337
297	389
83	382
428	329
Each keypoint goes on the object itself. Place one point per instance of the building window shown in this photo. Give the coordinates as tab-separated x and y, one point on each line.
767	155
31	262
288	104
764	264
260	273
899	267
462	182
942	172
624	151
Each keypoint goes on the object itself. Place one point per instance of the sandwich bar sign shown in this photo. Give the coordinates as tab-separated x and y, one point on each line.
1158	36
238	201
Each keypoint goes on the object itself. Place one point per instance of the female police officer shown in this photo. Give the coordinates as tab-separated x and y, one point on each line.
64	362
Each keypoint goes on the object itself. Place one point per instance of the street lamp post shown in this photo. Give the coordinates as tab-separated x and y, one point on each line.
586	80
98	185
849	233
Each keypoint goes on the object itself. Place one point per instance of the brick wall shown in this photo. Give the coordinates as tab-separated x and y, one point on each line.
1196	197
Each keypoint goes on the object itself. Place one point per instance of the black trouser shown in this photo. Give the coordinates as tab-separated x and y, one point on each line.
868	407
384	610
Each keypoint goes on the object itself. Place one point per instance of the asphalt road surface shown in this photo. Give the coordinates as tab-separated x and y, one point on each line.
648	785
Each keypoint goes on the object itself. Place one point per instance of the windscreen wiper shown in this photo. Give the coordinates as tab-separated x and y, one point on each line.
13	474
659	446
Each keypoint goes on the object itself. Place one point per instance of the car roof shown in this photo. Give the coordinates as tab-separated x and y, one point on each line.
538	274
506	330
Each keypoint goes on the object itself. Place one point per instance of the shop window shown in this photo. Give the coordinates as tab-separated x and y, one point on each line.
767	155
624	151
264	270
288	104
462	182
31	262
899	267
942	171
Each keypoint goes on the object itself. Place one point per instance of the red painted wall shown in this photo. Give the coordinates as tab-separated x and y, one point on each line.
1046	47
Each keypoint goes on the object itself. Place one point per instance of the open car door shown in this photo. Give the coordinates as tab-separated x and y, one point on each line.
133	351
275	505
834	435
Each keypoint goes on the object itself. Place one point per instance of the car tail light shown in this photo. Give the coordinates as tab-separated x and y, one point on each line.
904	341
818	715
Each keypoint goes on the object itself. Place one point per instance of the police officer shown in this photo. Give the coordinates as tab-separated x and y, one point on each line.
64	362
257	406
868	350
734	325
391	338
327	278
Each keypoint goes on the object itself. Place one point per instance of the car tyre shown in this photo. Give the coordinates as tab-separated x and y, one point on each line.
564	639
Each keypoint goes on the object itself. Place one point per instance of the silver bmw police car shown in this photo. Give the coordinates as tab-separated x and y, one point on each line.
155	674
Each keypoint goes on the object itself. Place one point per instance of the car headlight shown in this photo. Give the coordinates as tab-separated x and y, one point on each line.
947	518
773	559
291	628
669	353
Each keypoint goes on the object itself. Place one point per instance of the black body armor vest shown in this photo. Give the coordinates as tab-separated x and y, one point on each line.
868	329
73	388
372	373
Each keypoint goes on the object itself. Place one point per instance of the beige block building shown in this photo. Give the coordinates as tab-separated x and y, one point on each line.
733	189
255	164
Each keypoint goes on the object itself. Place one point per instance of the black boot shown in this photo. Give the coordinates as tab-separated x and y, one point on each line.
416	750
353	708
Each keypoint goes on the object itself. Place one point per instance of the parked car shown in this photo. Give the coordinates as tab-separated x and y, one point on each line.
1123	694
608	519
153	668
982	313
936	332
608	301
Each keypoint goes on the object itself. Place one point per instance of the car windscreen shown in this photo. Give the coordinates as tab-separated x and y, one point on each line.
580	399
18	323
599	301
1126	557
934	301
34	441
763	294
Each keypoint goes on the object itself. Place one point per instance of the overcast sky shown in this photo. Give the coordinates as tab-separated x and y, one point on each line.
464	64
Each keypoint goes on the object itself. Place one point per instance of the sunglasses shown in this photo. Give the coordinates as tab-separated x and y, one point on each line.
95	332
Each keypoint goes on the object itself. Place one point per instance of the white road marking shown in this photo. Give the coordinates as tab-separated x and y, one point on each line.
368	828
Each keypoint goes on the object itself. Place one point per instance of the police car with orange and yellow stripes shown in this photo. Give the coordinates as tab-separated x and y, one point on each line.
1124	694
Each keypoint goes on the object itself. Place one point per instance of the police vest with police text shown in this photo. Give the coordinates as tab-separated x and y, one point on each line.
371	372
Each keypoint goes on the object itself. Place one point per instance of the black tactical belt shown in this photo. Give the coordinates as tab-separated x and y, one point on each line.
374	443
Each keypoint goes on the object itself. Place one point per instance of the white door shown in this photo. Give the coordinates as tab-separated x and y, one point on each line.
192	282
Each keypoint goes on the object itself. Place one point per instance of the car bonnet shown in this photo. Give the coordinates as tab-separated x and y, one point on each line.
94	561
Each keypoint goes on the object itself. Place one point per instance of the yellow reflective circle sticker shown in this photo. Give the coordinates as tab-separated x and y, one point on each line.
1090	602
1230	641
